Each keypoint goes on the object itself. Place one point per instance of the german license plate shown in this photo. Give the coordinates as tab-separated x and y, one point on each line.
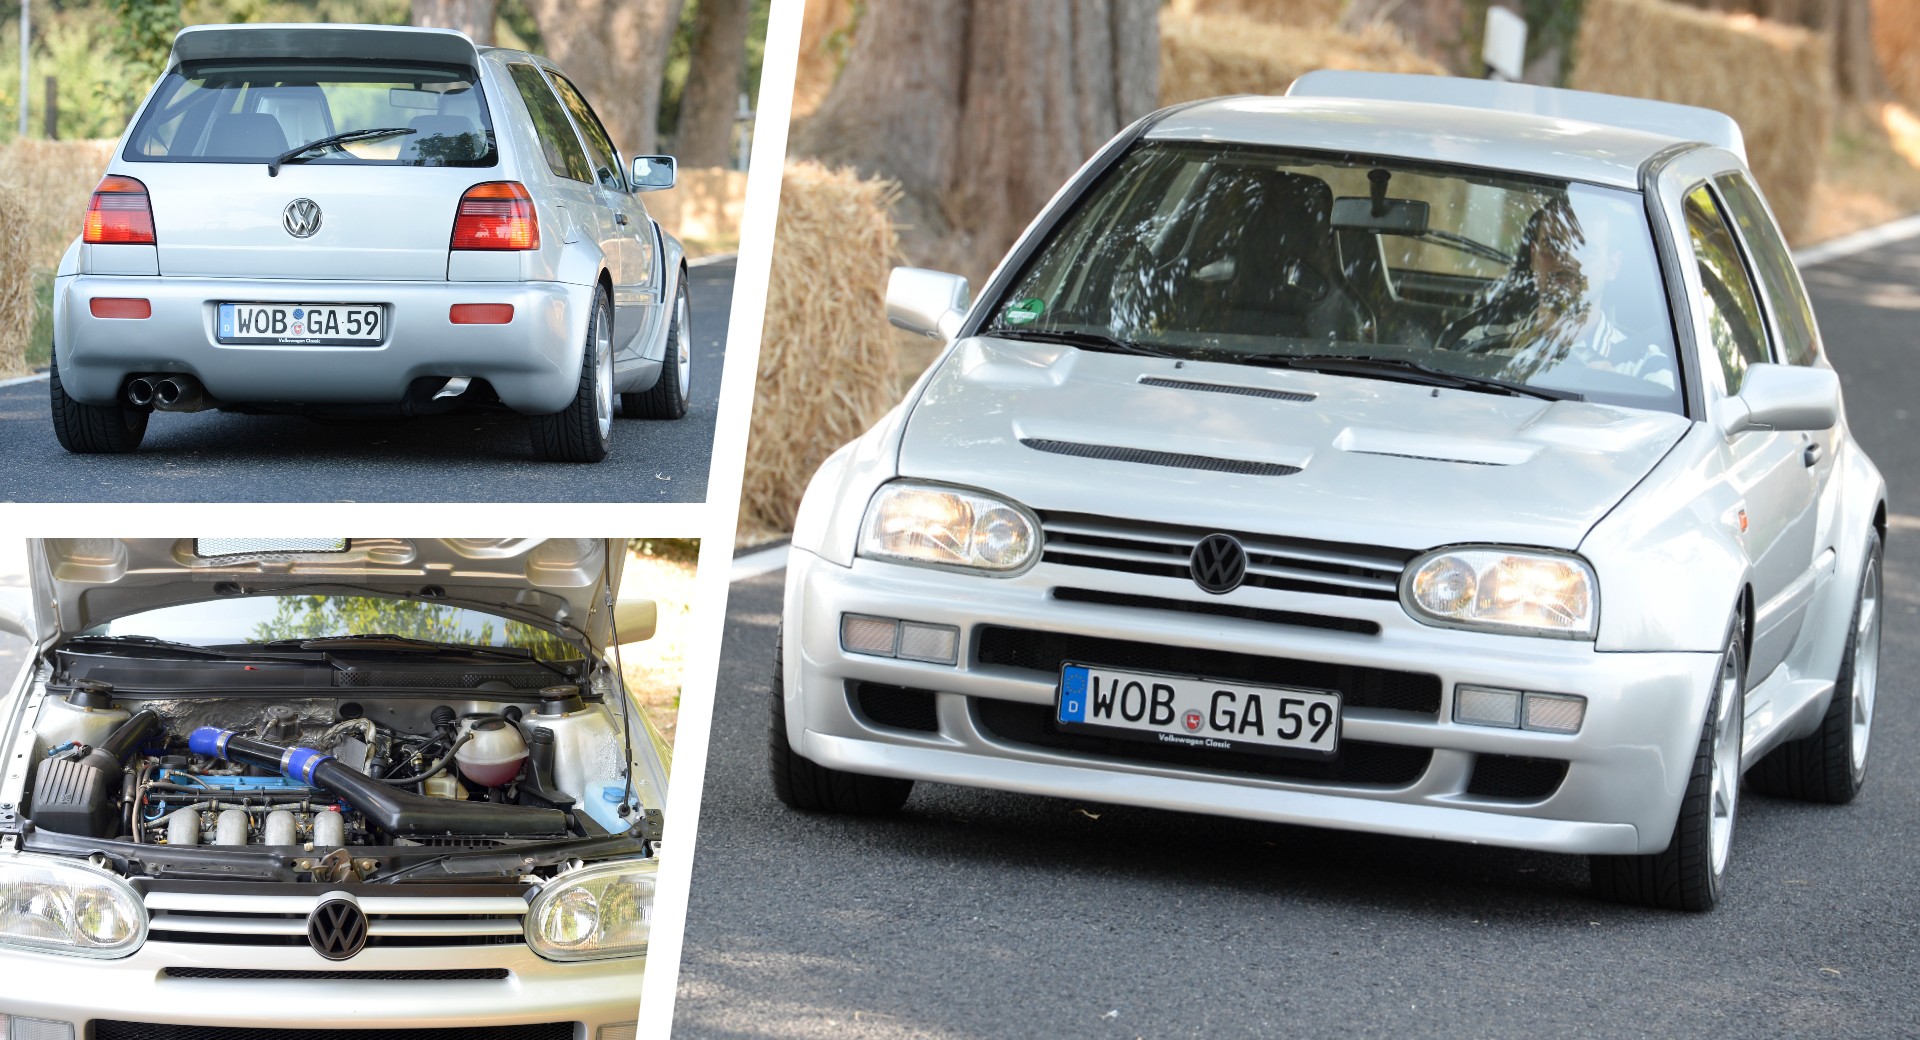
1200	713
294	324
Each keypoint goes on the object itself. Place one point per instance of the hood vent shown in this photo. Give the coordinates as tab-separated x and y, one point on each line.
1228	388
1432	458
1177	460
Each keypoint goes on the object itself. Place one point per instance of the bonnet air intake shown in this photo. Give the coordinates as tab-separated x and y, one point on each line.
394	811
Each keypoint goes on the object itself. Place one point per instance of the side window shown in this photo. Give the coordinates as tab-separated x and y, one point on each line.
550	124
1726	296
1793	316
606	161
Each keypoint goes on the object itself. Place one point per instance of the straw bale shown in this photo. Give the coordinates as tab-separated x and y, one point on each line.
1775	80
16	284
55	179
1205	56
1896	41
1290	12
702	209
827	362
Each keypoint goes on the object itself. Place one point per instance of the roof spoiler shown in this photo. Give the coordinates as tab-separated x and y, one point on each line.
282	40
1666	119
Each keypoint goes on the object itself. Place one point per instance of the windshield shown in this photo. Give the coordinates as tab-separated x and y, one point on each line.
257	112
263	619
1222	253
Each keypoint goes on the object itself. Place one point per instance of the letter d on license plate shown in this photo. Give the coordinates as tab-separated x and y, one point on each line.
1183	711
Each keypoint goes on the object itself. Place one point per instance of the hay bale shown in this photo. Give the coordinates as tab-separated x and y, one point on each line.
1896	42
827	364
1289	12
55	180
1204	56
703	209
1775	80
16	284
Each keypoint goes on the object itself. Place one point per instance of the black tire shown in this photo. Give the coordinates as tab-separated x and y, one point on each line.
93	429
1684	875
576	433
663	400
1820	766
803	785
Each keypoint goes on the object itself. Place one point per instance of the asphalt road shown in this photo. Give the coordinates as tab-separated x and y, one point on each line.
981	914
476	457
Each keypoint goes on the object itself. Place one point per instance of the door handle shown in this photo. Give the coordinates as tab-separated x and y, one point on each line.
1811	456
621	219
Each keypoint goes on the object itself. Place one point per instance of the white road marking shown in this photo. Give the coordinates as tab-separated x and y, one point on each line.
17	380
1858	242
759	562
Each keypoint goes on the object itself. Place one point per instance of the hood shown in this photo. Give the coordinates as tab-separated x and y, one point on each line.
557	583
1279	452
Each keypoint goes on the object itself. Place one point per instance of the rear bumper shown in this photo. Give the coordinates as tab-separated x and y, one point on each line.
532	362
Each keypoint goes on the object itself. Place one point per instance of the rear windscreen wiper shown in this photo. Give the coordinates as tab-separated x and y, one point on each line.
1085	340
294	154
1370	367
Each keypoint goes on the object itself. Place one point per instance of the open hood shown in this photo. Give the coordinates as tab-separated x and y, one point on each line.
557	583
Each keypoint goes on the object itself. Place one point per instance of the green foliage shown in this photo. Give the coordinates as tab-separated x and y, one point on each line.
674	550
313	617
679	60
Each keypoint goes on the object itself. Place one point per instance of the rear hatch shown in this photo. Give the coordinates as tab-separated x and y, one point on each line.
236	99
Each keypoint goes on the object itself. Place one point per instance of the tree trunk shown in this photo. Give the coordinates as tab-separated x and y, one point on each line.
713	89
473	17
980	109
615	51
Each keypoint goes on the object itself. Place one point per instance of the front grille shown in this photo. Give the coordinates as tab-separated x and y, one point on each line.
108	1029
900	707
1174	459
422	975
260	914
1296	618
1358	762
1359	687
1512	776
1286	564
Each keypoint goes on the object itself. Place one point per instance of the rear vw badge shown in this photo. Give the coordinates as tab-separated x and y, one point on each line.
302	218
337	928
1218	564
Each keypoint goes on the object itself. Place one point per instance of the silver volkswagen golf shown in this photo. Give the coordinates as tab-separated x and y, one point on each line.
368	220
1425	457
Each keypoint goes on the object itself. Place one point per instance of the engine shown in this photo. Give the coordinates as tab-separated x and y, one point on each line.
326	773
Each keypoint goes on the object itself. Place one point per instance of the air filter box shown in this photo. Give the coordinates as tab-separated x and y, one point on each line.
76	795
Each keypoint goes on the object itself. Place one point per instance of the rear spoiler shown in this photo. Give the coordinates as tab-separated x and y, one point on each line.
1683	122
281	40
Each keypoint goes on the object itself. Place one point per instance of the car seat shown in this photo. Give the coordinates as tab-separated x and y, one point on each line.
248	135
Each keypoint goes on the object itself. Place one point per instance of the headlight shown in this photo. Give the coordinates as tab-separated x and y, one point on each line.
947	527
54	906
605	910
1510	590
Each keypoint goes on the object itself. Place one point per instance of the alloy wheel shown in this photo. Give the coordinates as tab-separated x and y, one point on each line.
1866	663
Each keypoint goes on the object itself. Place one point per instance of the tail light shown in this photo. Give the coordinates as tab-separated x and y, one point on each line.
496	215
119	214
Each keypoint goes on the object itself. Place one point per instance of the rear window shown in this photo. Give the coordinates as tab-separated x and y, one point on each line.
251	113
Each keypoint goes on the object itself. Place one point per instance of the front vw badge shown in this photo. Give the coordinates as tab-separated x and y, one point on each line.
1218	564
337	928
302	218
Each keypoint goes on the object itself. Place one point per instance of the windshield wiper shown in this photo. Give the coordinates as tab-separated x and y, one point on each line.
1074	338
1369	367
293	154
156	643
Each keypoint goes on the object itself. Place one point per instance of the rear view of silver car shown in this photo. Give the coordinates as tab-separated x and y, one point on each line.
368	221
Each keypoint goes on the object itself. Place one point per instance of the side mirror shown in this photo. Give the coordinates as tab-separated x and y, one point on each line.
634	619
1785	398
931	303
16	612
654	172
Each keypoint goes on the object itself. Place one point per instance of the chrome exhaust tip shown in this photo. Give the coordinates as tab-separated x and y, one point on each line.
179	394
140	391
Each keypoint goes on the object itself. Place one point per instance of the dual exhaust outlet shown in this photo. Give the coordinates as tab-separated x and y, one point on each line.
167	393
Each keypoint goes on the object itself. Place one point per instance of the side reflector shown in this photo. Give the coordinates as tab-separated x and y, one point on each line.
119	214
119	307
480	313
496	215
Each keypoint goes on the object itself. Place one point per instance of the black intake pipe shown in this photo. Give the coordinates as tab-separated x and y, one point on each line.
394	811
74	791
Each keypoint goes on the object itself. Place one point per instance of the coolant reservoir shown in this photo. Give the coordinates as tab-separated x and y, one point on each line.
495	753
86	715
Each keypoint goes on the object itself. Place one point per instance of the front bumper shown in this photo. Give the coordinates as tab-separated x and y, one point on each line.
78	991
1625	771
532	362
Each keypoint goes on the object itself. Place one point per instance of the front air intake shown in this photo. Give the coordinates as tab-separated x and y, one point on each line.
1174	459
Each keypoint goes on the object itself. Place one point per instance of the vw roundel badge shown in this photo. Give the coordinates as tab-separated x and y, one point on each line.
337	928
1218	564
302	218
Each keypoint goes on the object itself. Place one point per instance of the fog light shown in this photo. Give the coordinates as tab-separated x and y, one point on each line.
934	644
626	1032
1555	712
868	635
34	1029
1482	706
